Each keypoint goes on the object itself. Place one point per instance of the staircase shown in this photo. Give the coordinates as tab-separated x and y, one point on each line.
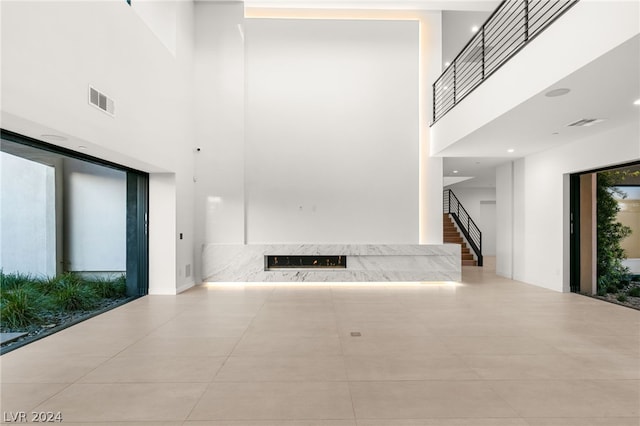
451	235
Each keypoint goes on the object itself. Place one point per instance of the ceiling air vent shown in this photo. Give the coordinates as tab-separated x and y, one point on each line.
101	101
585	122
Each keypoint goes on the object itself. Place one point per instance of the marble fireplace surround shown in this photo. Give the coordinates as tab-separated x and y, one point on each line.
366	262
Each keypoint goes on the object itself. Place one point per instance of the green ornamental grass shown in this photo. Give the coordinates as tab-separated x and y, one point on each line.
634	292
108	288
20	307
72	294
25	300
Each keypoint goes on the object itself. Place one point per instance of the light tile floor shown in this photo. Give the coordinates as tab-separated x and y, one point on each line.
487	352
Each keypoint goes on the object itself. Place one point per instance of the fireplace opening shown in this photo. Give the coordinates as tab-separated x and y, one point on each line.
305	262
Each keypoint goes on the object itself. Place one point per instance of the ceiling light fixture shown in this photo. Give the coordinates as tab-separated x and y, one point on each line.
455	171
510	150
637	102
474	29
557	92
446	64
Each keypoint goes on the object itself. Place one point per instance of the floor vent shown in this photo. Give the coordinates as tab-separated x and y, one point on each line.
101	101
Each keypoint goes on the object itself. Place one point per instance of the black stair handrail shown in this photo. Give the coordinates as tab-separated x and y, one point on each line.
470	230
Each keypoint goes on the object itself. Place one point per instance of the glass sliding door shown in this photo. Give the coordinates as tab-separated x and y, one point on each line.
137	234
73	233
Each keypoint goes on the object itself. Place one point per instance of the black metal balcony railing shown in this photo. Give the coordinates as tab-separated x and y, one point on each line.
509	28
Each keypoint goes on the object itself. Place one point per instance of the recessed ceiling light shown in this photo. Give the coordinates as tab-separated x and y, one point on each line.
557	92
510	150
455	171
474	29
446	64
637	102
51	137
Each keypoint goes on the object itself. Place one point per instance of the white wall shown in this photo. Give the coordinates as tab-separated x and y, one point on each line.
471	198
53	50
219	112
533	204
430	167
27	226
95	222
163	245
160	17
504	219
487	224
521	211
332	131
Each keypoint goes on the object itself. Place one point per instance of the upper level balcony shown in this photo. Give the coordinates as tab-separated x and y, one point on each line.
496	94
507	30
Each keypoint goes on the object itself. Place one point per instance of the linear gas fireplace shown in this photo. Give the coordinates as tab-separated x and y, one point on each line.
304	262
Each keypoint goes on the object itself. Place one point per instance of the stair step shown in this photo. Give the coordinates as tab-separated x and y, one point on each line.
451	234
456	240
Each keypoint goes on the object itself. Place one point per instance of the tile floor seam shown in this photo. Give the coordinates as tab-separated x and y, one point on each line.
505	401
226	358
344	361
48	398
143	336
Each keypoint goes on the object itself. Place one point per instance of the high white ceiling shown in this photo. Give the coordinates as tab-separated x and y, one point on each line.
470	5
604	89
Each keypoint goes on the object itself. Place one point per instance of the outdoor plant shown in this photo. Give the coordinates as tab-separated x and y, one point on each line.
15	280
72	294
20	307
612	274
27	302
109	288
634	292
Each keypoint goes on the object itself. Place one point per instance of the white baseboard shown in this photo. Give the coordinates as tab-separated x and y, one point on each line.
185	287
